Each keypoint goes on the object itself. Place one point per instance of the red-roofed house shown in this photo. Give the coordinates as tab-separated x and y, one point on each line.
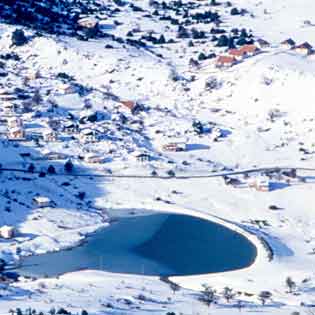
249	50
129	104
237	54
225	61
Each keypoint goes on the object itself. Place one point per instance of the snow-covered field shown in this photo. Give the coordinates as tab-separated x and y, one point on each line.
263	107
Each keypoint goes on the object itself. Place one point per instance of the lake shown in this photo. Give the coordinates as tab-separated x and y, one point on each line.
160	244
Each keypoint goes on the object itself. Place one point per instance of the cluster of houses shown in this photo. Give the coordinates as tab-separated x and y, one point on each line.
305	49
236	55
264	181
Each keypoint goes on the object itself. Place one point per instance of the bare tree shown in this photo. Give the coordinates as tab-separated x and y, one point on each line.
264	296
208	295
228	294
290	284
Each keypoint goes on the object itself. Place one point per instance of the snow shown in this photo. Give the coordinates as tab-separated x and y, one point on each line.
266	108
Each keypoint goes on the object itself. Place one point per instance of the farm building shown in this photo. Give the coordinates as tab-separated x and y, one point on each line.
249	50
225	61
7	232
174	147
13	122
49	135
238	54
87	136
304	49
16	133
41	201
262	43
93	158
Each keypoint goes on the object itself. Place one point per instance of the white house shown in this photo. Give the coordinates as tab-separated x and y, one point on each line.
49	135
260	183
87	136
8	108
175	146
13	122
93	158
41	201
7	231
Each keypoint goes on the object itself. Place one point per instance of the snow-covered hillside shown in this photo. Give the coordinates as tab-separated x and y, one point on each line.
143	98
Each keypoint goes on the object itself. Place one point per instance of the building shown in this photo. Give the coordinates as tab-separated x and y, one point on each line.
16	133
143	157
262	44
8	108
87	136
260	183
55	156
249	50
237	54
288	43
50	135
7	232
134	107
225	61
13	122
93	158
175	146
70	128
88	22
304	49
41	201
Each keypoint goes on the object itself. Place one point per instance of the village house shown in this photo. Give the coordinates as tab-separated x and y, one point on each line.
143	157
70	128
260	183
262	44
55	156
288	43
133	106
249	50
93	158
304	49
237	54
16	133
13	122
66	88
7	232
8	108
88	136
88	22
49	135
41	202
225	61
175	146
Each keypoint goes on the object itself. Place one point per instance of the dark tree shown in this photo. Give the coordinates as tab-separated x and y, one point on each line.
31	168
202	56
18	38
223	41
161	40
51	169
68	166
290	284
235	11
198	127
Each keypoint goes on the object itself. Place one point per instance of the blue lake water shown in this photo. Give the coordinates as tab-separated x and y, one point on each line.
158	244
